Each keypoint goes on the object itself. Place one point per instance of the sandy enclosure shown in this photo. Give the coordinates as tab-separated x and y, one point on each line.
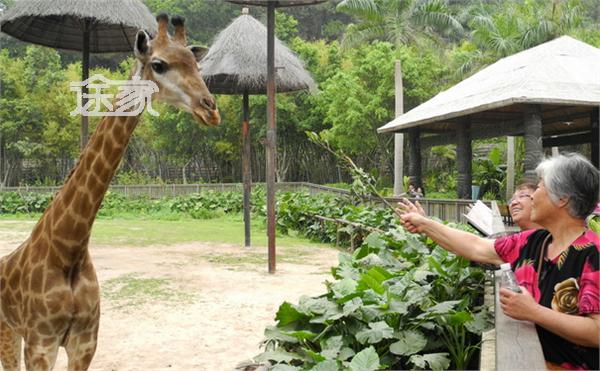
197	307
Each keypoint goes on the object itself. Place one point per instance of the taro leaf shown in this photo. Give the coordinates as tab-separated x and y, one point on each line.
413	243
344	258
330	348
300	335
441	308
435	264
345	353
328	365
374	240
352	306
346	271
275	333
380	273
420	275
361	252
371	260
278	355
480	322
369	282
343	288
433	361
459	318
376	332
288	313
314	305
397	306
410	342
370	313
365	360
283	367
316	357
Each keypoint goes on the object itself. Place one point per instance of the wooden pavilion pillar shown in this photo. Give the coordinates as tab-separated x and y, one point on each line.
398	137
414	159
595	140
464	155
534	152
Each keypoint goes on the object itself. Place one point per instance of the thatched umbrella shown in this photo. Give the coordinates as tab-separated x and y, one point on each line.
235	64
271	122
90	26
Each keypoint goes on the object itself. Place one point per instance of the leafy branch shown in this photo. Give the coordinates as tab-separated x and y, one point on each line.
363	184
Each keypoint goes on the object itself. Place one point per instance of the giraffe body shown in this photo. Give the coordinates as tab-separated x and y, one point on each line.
49	292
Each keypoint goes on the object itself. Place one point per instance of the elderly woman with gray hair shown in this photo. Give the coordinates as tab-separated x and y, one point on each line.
557	266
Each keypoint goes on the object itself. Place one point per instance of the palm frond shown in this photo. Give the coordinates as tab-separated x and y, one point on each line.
364	9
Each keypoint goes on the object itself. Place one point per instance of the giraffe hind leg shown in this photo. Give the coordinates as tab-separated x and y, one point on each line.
10	348
40	357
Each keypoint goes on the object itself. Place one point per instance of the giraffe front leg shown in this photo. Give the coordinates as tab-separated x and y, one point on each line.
10	348
80	349
41	356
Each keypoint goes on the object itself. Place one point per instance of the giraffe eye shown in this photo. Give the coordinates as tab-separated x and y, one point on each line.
159	66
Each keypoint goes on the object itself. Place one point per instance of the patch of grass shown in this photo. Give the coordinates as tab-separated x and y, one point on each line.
133	230
284	255
130	290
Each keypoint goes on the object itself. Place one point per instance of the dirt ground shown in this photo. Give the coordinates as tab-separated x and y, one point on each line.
195	306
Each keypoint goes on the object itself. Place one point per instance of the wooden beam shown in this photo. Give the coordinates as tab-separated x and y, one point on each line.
566	140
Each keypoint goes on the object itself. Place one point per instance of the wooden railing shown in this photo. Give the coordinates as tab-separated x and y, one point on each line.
512	345
445	209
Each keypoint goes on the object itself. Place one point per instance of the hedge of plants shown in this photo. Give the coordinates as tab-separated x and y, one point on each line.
399	301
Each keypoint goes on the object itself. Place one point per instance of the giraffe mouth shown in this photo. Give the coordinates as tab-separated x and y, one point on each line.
207	117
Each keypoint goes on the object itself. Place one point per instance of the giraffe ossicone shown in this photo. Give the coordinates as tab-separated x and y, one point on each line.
49	293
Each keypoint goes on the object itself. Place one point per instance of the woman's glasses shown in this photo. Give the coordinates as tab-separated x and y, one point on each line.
520	197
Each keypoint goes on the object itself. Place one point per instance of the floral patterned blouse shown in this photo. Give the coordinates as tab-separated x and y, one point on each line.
568	283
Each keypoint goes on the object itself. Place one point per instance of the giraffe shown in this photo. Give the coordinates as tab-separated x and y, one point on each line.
48	286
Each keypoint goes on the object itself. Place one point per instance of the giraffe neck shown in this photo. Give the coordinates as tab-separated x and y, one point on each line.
67	222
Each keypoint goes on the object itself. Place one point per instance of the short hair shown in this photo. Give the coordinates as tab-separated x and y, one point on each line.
571	176
526	185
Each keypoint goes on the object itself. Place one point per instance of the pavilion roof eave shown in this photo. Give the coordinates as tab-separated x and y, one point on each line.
398	125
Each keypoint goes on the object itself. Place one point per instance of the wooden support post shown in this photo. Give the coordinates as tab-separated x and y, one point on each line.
532	121
414	160
510	167
246	171
399	137
464	156
271	135
595	140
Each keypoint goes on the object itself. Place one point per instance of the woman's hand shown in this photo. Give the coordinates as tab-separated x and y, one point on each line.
405	206
518	306
412	222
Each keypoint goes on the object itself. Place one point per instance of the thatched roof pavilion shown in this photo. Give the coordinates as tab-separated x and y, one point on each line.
235	64
236	61
59	24
550	94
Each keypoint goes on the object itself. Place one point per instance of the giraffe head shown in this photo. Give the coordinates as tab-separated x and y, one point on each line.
174	67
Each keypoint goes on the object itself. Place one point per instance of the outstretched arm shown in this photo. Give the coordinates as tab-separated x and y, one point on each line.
458	242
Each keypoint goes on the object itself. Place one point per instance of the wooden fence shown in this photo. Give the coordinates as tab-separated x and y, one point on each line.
445	209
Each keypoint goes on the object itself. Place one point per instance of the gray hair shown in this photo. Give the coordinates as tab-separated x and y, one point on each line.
571	176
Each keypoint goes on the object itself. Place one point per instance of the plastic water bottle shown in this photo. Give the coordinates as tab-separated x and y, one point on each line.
508	279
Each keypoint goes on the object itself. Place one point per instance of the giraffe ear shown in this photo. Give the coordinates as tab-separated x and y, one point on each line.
142	45
199	51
